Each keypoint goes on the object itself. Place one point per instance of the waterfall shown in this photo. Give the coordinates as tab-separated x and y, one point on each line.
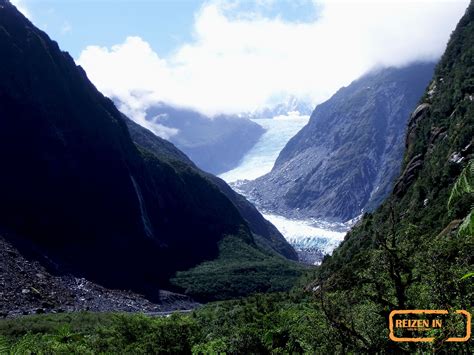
144	215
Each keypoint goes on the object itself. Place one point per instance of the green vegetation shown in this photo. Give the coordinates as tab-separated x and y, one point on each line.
86	333
239	270
413	251
463	187
295	322
281	322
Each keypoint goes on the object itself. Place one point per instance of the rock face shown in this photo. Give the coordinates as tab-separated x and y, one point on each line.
415	117
79	192
408	175
345	160
216	144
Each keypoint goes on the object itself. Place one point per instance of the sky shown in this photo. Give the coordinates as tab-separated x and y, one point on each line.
235	56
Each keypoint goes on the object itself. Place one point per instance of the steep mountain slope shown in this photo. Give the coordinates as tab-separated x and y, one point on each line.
215	144
345	160
267	235
409	253
77	191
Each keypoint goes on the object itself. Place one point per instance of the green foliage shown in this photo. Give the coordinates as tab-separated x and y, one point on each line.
216	346
240	270
467	226
4	346
463	185
78	322
468	275
279	323
88	333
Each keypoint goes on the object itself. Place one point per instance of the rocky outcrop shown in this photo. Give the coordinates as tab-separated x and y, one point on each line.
419	111
417	115
408	175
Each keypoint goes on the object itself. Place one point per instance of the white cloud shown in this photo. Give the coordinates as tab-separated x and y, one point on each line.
239	63
19	4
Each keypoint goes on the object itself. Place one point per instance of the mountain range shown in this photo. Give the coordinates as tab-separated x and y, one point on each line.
86	192
78	195
215	144
345	160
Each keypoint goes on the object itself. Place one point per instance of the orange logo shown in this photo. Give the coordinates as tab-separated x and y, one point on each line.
401	319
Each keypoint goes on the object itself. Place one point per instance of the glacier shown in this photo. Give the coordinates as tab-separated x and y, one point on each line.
260	158
312	239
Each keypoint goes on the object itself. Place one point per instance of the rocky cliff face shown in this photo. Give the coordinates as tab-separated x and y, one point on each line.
345	160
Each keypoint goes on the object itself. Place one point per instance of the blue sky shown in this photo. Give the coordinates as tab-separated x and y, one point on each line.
165	24
233	56
77	24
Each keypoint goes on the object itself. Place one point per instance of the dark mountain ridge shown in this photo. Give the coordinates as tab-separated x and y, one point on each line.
265	232
78	190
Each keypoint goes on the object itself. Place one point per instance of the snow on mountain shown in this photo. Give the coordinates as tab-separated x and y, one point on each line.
292	106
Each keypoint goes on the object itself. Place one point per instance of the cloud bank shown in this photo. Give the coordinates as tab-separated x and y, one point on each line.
242	61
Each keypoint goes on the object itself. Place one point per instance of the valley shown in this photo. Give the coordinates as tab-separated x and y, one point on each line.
312	239
177	193
315	180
